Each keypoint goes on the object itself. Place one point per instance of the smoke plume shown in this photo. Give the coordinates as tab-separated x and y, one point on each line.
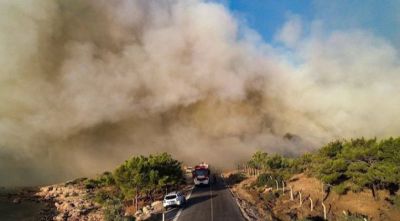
86	84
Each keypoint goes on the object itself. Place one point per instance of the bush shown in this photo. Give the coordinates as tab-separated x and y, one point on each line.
113	211
395	201
91	183
102	196
106	179
236	178
262	179
340	189
270	197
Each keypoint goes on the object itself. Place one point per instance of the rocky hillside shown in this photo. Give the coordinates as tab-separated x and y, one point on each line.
71	202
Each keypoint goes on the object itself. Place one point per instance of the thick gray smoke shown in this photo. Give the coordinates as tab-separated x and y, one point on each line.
86	84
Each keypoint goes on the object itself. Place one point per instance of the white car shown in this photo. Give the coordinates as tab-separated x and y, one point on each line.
174	199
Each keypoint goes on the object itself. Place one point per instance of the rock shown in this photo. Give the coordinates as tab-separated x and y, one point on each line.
156	203
146	210
157	206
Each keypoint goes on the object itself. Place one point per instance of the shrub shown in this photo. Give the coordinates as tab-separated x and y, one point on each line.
106	179
340	189
91	183
262	179
236	178
270	197
113	211
395	201
102	196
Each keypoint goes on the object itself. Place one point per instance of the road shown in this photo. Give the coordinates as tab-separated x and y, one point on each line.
213	203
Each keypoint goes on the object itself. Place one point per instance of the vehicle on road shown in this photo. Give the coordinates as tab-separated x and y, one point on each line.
201	175
176	198
188	169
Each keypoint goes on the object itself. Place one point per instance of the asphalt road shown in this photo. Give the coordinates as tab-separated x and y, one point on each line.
213	203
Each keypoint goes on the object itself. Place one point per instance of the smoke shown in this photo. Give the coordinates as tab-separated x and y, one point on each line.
86	84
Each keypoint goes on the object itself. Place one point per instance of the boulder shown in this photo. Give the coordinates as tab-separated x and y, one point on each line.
146	210
156	203
157	206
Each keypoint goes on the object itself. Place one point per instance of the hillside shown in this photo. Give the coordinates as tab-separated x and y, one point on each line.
355	180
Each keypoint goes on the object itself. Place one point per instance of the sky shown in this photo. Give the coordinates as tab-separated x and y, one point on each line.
268	16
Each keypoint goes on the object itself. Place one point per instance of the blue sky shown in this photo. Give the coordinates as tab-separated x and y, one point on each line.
382	18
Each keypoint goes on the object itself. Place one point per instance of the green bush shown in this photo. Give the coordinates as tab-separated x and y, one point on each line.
102	196
91	183
264	179
106	179
395	201
114	210
340	189
236	178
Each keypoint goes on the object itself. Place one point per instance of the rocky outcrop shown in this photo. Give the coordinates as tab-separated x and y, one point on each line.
71	203
150	212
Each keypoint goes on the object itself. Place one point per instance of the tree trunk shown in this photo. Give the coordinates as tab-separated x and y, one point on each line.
136	202
374	192
136	199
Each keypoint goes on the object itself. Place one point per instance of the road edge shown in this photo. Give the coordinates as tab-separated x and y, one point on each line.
236	198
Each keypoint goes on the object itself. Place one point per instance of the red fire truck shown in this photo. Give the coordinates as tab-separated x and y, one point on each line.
201	174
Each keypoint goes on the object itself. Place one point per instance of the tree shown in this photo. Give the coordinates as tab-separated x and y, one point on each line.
259	160
142	174
333	171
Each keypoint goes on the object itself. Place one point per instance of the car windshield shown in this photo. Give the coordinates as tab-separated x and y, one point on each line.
201	172
170	197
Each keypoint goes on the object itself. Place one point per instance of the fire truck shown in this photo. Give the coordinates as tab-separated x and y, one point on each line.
201	174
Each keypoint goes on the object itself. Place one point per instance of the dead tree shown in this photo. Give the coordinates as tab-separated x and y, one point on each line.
283	187
312	205
277	185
